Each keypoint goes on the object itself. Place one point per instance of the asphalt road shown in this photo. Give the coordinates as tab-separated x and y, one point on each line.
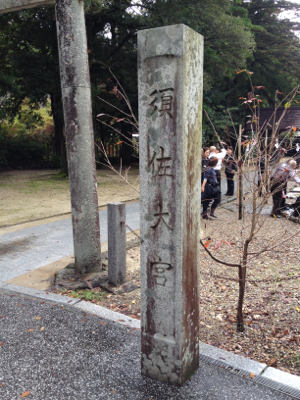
34	247
58	353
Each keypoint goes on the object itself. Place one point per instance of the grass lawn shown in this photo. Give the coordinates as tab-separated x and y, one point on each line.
37	194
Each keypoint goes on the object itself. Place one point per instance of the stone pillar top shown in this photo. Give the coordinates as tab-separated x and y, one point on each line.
7	6
163	41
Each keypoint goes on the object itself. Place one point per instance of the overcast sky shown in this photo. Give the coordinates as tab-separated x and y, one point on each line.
291	15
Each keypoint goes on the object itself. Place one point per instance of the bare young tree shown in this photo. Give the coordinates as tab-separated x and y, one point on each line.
260	150
126	117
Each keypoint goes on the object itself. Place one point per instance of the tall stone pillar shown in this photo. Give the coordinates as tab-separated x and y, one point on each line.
170	68
76	93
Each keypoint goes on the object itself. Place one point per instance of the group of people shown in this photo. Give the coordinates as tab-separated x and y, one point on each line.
213	160
212	163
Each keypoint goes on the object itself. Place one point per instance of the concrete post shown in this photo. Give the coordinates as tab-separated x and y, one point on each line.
170	68
76	93
116	217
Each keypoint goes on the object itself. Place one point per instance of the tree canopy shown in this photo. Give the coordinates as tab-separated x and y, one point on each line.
239	34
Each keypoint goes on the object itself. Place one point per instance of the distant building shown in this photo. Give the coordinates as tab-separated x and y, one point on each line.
289	123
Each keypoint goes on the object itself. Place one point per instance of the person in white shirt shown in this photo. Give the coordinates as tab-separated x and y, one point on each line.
220	156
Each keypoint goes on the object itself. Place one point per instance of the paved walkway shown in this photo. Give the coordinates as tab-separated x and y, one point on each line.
34	247
58	352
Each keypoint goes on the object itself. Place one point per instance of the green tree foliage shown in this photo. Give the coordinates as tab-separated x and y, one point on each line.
274	61
238	34
25	140
228	41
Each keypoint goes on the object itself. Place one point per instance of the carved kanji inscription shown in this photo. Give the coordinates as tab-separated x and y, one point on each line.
161	218
161	165
162	102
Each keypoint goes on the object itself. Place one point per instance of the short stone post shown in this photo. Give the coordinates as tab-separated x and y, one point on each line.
76	94
170	69
116	217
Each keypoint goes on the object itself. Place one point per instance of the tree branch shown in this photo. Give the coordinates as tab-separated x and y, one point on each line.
218	260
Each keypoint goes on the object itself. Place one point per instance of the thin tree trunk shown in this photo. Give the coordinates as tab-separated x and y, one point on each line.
242	285
240	315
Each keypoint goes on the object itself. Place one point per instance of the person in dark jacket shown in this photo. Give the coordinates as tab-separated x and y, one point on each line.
205	159
206	190
230	170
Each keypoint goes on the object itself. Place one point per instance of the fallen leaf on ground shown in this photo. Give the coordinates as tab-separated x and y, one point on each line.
1	344
252	375
206	244
38	317
217	244
25	394
42	328
30	330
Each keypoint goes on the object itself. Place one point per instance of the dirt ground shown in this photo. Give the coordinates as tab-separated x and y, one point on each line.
37	194
271	307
